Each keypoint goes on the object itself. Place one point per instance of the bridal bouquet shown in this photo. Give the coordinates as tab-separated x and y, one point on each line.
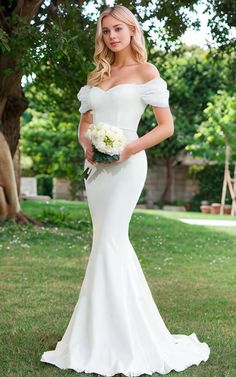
107	143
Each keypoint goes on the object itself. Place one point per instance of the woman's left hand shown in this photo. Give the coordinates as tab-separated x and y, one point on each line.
125	154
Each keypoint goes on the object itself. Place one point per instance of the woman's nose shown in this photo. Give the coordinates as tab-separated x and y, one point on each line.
112	34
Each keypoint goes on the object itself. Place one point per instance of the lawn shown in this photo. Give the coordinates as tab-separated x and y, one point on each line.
191	271
196	215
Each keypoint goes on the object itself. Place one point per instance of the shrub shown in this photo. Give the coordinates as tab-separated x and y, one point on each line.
44	184
142	199
210	180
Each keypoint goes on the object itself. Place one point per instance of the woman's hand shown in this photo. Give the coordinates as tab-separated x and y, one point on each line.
88	150
125	154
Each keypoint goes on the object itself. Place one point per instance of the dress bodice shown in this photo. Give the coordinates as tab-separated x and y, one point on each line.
123	105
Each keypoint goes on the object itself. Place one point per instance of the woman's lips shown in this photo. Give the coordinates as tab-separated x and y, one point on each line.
114	43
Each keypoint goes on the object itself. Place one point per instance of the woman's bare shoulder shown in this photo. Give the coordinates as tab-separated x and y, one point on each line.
148	71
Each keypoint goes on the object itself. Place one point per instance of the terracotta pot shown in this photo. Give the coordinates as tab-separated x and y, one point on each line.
215	208
205	209
227	209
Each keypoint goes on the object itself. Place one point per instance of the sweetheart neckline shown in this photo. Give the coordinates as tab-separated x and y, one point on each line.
126	83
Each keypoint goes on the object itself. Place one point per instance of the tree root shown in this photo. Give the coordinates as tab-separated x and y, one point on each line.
23	219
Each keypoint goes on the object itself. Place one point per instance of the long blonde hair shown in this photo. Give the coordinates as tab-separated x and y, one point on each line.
103	57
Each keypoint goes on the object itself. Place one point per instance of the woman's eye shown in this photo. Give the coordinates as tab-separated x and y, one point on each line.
116	29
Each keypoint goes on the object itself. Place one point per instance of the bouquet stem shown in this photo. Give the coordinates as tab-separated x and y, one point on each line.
86	173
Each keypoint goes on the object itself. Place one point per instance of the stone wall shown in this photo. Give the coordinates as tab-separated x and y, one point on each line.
61	189
182	187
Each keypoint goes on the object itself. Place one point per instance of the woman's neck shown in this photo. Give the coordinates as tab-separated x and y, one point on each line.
124	58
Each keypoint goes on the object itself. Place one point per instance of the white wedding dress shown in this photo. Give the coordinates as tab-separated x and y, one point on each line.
116	326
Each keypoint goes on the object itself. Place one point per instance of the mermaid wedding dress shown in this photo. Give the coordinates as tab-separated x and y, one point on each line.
116	326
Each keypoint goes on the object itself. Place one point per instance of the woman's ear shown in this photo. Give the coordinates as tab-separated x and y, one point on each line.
132	31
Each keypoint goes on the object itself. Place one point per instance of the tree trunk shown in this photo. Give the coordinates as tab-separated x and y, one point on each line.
166	195
12	106
9	202
17	168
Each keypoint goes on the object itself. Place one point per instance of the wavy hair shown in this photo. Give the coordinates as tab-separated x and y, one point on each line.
103	57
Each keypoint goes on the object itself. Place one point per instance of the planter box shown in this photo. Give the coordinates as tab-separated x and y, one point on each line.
146	207
140	206
36	198
174	208
28	186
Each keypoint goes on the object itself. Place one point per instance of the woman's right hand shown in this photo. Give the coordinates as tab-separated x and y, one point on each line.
88	150
89	156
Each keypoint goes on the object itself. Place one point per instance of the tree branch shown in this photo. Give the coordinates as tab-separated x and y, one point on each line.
28	8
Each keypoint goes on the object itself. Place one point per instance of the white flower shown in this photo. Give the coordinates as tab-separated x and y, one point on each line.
106	138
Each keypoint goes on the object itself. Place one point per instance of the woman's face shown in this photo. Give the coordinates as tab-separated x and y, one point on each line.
116	34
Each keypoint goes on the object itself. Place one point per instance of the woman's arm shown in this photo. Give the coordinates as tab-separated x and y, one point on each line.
85	120
162	131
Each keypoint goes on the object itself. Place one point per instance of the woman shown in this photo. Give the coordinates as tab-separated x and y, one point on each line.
116	326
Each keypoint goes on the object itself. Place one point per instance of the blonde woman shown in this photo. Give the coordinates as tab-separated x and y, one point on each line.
116	326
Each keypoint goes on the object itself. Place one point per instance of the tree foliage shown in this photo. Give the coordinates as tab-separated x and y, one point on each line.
50	139
192	79
52	42
217	129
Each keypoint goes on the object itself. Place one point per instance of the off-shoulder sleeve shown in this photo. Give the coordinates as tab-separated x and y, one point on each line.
83	97
155	93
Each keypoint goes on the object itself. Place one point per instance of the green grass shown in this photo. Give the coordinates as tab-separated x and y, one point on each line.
191	271
196	215
187	214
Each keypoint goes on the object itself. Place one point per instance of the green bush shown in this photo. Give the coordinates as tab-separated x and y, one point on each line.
142	199
210	180
44	184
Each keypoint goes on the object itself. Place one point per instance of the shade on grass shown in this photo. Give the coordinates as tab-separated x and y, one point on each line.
190	270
